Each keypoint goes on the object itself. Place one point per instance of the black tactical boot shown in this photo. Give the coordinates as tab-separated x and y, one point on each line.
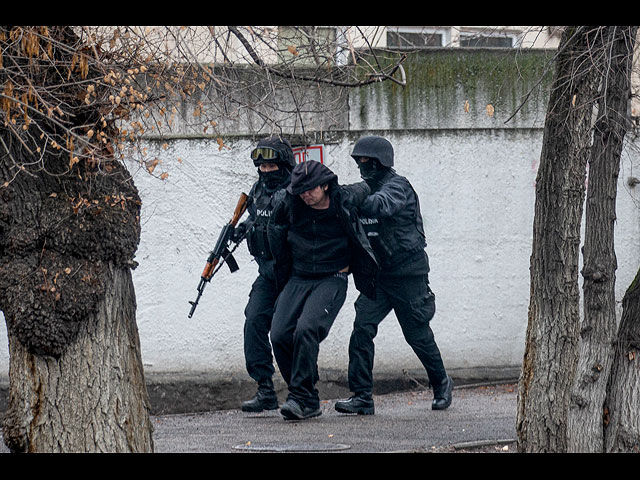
264	399
292	410
442	394
360	403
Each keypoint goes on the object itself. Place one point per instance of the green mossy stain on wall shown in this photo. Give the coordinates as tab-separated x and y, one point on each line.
441	81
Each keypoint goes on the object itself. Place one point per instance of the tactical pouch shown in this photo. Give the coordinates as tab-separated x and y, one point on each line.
258	243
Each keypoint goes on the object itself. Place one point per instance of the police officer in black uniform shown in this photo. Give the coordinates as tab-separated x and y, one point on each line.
274	158
391	216
316	240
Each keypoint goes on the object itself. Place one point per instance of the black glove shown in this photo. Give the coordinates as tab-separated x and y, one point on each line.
238	233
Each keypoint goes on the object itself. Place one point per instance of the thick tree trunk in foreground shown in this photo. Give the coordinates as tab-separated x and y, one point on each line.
552	332
68	235
622	422
599	325
88	399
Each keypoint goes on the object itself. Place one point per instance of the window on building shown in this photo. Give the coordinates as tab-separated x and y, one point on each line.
416	37
487	41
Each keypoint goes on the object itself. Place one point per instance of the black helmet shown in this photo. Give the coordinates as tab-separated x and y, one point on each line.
273	150
374	147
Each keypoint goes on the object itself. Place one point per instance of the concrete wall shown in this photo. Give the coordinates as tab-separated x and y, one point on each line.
475	175
476	192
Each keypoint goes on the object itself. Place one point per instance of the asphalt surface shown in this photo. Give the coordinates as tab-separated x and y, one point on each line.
480	419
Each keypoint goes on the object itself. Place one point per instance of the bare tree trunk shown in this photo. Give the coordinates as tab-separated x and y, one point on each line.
88	399
621	420
551	340
67	242
599	325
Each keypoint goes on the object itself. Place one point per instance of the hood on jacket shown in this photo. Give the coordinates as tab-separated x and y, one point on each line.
308	175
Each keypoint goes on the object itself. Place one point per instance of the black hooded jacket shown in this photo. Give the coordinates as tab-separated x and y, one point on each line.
290	214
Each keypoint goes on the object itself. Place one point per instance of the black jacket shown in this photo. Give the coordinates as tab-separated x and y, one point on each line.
392	219
346	198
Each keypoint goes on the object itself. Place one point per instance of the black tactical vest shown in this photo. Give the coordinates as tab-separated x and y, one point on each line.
260	211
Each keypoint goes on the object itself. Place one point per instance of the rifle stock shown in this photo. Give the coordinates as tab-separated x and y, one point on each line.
221	251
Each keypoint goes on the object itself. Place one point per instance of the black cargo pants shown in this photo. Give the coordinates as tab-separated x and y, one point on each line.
258	315
414	305
304	314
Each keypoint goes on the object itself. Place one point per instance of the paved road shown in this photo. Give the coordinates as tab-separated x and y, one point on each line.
404	422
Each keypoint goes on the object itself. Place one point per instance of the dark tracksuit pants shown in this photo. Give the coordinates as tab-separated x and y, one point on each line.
258	316
304	314
414	305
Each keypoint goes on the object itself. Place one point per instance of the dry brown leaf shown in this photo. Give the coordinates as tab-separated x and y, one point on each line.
151	165
490	110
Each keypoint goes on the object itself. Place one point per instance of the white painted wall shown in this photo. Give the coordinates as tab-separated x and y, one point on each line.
477	195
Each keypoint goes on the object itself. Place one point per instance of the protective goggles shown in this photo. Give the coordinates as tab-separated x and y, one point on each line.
266	153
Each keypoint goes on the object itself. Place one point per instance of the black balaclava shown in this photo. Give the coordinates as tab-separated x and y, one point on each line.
284	160
371	171
274	179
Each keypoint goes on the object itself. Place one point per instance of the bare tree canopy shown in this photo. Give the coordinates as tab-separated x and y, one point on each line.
83	92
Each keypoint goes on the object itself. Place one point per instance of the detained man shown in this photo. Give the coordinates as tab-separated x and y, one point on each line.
317	240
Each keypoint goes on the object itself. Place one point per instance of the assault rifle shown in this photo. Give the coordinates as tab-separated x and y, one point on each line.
221	251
